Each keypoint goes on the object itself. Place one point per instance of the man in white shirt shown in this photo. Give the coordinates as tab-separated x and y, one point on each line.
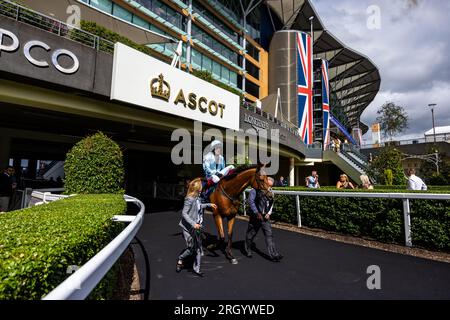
414	182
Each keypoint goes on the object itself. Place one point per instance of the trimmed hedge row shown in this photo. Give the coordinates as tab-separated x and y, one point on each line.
38	244
375	218
94	165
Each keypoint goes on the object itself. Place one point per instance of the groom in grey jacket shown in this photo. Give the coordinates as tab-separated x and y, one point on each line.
191	223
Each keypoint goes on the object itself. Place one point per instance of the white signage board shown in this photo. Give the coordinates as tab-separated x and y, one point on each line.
147	82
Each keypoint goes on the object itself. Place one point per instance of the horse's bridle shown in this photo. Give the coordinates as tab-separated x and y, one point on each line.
236	200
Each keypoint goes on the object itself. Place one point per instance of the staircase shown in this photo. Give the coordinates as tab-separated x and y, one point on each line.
349	160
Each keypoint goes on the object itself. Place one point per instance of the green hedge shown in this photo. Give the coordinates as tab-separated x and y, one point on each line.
378	219
39	244
94	165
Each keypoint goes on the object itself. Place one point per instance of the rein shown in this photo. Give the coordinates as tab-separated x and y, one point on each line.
236	201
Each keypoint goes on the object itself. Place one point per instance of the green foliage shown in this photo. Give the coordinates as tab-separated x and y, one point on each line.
94	165
428	169
393	119
106	34
388	159
39	244
388	177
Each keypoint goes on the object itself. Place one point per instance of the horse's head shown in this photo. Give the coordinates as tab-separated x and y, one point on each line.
261	180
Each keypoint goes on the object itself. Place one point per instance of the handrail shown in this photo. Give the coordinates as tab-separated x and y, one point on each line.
426	196
41	21
81	283
405	197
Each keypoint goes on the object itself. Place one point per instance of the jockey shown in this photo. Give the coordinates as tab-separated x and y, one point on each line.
214	163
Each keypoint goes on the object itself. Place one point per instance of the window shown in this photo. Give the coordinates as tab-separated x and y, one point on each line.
205	13
207	64
121	13
104	5
196	59
252	51
233	78
217	67
226	75
252	88
140	22
252	70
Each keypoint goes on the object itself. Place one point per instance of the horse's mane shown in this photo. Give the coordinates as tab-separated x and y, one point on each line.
239	170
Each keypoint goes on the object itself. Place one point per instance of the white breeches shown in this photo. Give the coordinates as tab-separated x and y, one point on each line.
224	172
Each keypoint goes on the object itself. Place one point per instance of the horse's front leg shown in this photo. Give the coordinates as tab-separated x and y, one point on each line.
229	254
221	233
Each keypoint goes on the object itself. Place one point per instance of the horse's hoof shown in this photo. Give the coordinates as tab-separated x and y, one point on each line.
234	261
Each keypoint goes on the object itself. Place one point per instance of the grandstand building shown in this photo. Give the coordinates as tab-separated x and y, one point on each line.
241	43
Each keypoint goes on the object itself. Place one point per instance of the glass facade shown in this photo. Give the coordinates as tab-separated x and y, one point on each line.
205	13
220	72
252	70
200	61
207	39
252	51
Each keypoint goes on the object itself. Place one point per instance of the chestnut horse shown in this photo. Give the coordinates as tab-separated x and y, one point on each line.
226	197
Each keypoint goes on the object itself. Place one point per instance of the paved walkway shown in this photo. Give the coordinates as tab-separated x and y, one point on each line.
312	268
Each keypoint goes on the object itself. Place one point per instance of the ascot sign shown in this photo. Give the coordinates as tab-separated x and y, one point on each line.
145	81
14	45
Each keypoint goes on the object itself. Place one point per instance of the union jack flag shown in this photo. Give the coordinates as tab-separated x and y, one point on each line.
304	86
325	103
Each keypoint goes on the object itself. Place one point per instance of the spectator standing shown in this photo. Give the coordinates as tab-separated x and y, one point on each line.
6	188
312	181
282	182
365	182
344	183
414	182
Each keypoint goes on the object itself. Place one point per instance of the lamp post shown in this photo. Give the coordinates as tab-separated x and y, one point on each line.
432	105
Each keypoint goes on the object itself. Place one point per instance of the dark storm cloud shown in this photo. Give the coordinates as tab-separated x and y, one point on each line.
411	50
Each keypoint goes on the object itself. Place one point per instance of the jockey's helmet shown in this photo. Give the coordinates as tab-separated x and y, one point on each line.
215	144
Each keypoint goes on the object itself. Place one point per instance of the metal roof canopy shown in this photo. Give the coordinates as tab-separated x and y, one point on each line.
58	9
295	14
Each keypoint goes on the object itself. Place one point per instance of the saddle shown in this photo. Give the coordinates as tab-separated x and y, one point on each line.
208	187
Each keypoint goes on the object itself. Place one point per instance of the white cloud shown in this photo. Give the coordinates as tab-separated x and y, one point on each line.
411	50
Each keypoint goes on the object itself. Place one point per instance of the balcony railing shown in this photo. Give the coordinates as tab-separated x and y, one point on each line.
427	139
38	20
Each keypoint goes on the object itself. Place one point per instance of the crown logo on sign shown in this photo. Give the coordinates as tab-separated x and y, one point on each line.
160	89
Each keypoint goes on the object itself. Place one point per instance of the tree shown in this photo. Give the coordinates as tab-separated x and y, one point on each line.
428	169
387	168
393	119
94	165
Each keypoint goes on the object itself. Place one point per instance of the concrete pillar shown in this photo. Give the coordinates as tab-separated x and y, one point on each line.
5	151
291	172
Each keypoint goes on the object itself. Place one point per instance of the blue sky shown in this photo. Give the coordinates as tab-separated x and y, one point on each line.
411	49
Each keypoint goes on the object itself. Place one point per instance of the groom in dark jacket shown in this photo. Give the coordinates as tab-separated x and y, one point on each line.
261	204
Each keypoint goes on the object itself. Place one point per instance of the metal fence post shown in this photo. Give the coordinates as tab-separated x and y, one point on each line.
407	222
297	207
244	201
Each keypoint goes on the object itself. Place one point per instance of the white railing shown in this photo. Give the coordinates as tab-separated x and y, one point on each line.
81	283
406	197
428	139
46	196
